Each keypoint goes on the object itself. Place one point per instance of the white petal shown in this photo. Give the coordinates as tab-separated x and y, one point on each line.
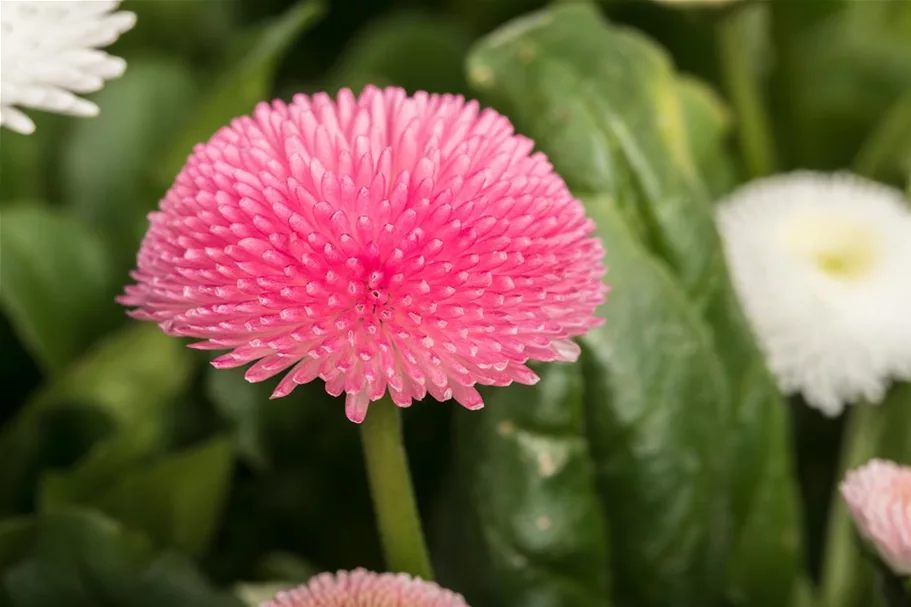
50	51
821	265
15	120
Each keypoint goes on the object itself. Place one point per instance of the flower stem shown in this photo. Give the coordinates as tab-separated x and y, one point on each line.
754	133
846	578
393	495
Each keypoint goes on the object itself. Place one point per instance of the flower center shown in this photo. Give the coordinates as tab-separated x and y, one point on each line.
839	247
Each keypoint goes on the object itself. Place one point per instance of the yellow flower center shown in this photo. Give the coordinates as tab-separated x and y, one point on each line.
839	247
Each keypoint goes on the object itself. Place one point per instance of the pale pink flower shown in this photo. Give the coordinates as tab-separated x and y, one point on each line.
360	588
414	244
879	498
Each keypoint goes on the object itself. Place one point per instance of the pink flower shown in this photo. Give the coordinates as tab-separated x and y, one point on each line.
414	244
360	588
879	498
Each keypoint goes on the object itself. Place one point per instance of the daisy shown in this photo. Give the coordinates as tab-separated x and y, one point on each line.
49	53
821	264
879	499
362	588
414	245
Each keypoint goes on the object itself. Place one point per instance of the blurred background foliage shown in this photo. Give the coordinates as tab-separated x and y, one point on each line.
660	471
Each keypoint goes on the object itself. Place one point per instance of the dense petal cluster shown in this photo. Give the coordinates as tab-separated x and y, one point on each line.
380	242
360	588
49	51
820	263
879	498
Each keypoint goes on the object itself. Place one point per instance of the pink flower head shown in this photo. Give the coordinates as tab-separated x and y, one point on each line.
414	244
879	498
360	588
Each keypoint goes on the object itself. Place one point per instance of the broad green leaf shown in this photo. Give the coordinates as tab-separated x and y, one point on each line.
524	464
177	501
173	580
131	375
659	422
101	467
130	379
602	102
849	577
57	283
241	86
73	557
708	126
105	161
410	49
767	557
81	559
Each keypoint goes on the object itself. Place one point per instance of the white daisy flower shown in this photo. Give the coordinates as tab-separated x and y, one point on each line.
49	51
821	264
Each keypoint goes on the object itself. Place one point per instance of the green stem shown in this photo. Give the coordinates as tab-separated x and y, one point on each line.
782	28
393	496
846	579
754	133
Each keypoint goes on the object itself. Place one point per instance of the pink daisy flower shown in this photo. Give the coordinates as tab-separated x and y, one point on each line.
360	588
380	242
879	498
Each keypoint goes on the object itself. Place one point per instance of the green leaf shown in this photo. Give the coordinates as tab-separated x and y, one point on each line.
285	566
658	419
179	27
603	103
409	49
259	593
20	167
81	559
176	501
245	405
57	287
525	464
708	126
266	431
850	70
242	85
131	375
768	553
873	431
130	379
105	161
698	4
886	154
15	537
73	556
